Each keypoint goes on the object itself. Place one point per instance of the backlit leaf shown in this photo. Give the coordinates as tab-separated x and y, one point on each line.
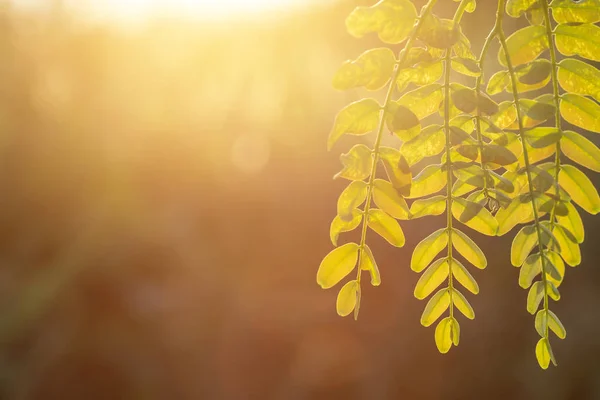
439	33
392	20
353	196
580	188
346	299
579	77
580	150
337	264
446	333
388	199
433	277
421	74
428	249
402	121
357	163
367	263
462	304
386	226
466	66
525	45
468	249
540	137
554	267
357	118
475	216
538	71
569	249
423	101
525	240
534	297
531	268
430	180
556	326
515	8
573	223
435	307
429	142
338	225
580	111
372	69
464	277
543	353
584	11
581	40
397	169
435	205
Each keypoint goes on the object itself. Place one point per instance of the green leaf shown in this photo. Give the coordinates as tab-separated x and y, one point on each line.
403	122
435	205
538	71
435	307
525	45
463	276
580	188
569	249
423	101
579	77
580	150
475	216
534	297
429	142
573	223
552	291
462	304
353	196
580	111
386	226
556	326
430	180
468	249
540	137
357	118
541	322
540	111
433	277
525	240
357	163
543	353
337	264
447	332
531	268
583	11
427	249
515	8
346	299
338	225
581	40
421	74
372	69
554	267
393	20
498	82
388	199
397	169
367	263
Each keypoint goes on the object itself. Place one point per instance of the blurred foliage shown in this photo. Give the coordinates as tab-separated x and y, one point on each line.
163	209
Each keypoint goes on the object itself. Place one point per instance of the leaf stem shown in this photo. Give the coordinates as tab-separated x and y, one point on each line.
388	98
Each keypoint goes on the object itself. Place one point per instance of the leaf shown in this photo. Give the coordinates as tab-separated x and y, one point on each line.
498	82
353	196
525	45
580	111
397	169
541	322
435	307
367	263
580	188
573	223
538	71
430	180
337	264
554	267
556	326
439	33
346	299
464	277
541	137
430	142
447	332
540	111
462	304
569	249
372	69
534	297
403	122
525	240
581	40
475	216
579	77
580	150
421	74
466	100
386	226
552	291
357	163
423	101
435	205
433	277
357	118
515	8
543	353
494	154
584	11
468	249
338	225
427	249
387	199
465	66
531	268
393	20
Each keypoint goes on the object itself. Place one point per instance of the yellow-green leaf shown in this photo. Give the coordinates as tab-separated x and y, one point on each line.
462	304
429	142
372	69
466	66
388	199
439	33
580	150
580	188
581	40
397	169
583	11
432	278
435	307
534	297
337	264
580	111
392	20
427	249
353	196
524	241
446	334
554	267
421	74
579	77
423	101
572	222
464	277
386	226
515	8
569	249
357	163
430	180
475	216
435	205
556	326
543	353
357	118
367	263
338	225
346	299
402	121
531	268
525	45
509	217
468	249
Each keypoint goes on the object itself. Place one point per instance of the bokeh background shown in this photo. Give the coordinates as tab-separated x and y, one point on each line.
165	200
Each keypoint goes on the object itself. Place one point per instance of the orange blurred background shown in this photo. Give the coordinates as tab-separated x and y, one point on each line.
165	200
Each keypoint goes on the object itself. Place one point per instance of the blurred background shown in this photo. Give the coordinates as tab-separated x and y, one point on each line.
165	200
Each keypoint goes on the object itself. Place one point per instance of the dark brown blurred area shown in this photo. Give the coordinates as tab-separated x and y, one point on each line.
165	200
